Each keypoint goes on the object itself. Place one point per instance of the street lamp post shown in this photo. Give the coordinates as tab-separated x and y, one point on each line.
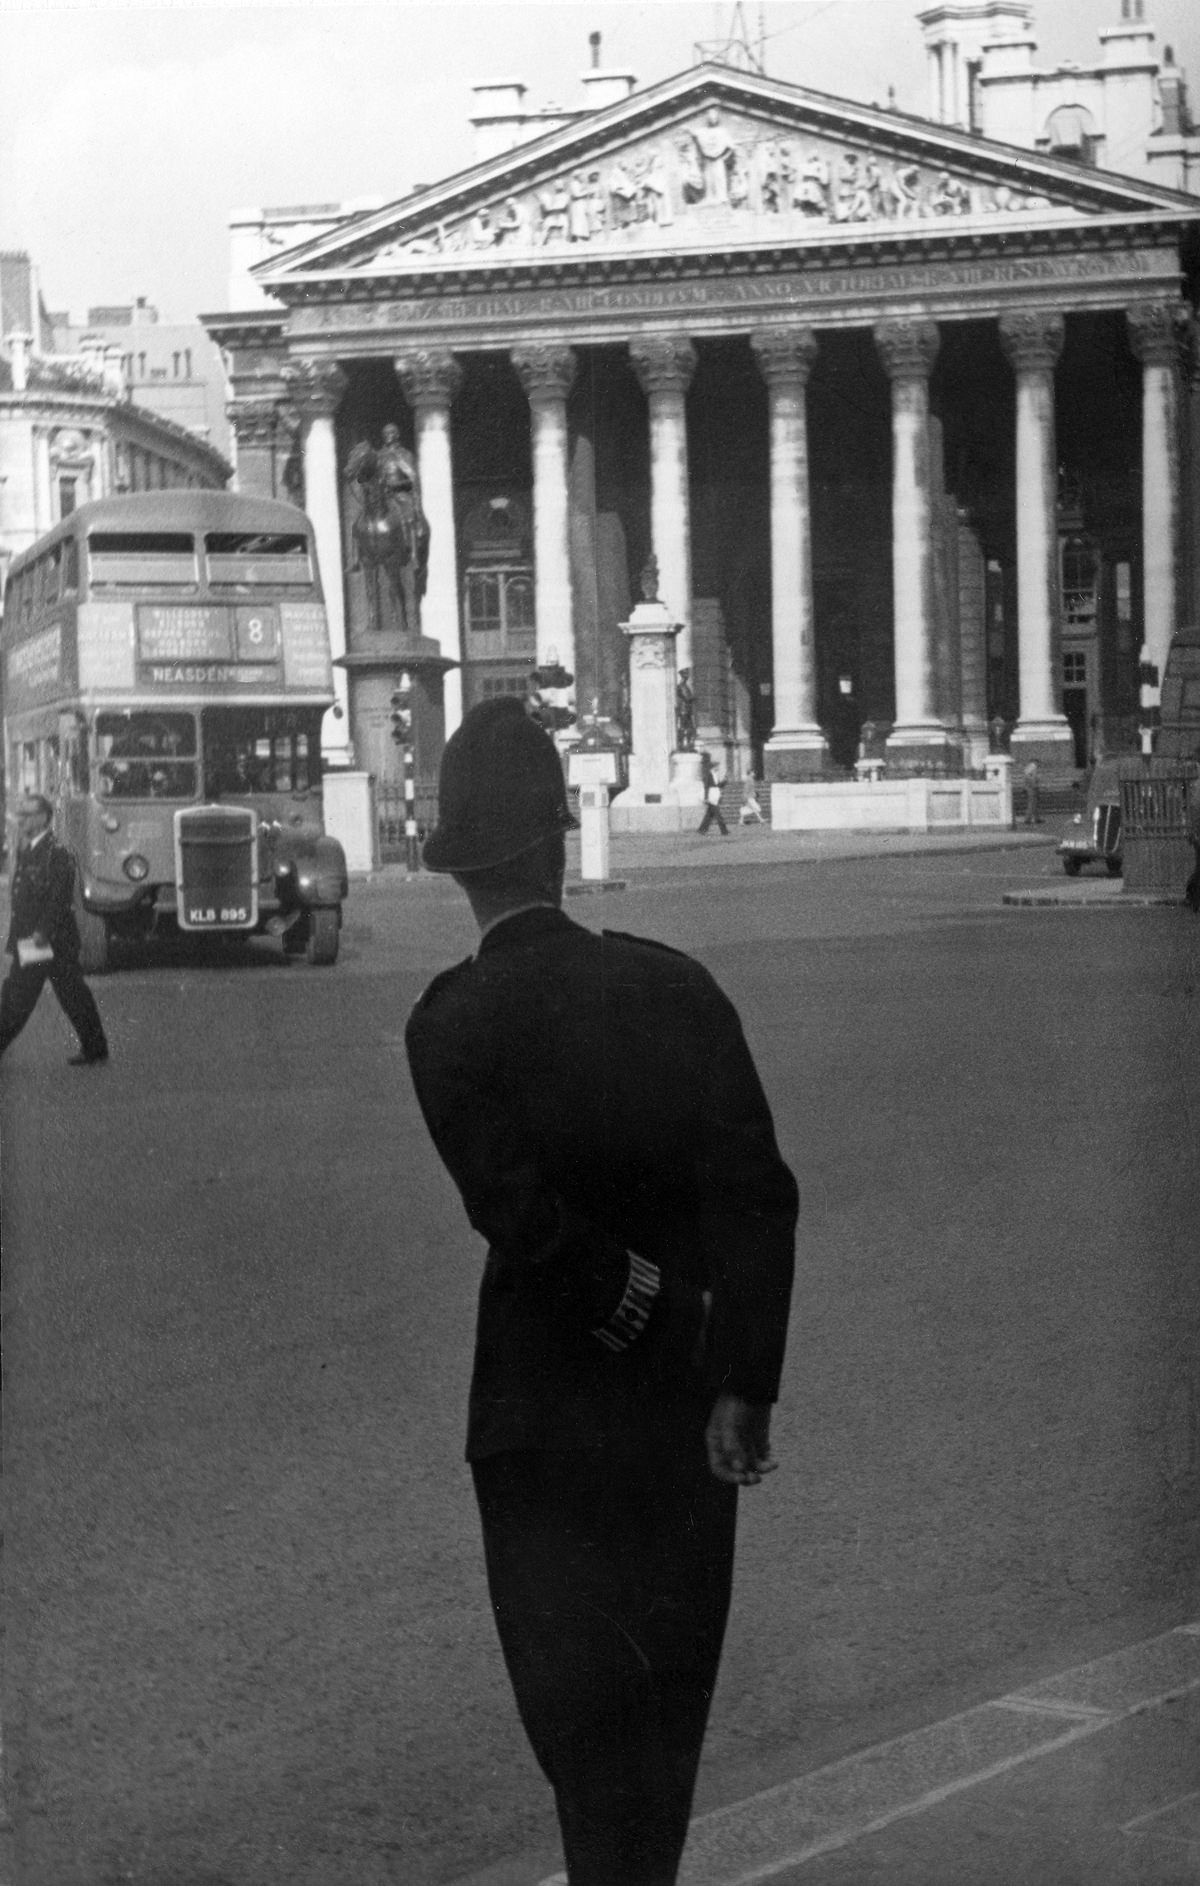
402	728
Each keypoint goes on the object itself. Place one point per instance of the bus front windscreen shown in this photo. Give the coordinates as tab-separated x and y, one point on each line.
146	755
261	749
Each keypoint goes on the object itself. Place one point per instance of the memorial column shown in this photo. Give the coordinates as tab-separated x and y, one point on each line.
1155	332
797	745
664	364
430	378
908	349
315	389
1032	340
546	371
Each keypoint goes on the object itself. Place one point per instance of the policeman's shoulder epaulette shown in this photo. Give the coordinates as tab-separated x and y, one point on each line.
441	983
647	942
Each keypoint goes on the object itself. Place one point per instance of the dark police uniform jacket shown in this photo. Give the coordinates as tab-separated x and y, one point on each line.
43	889
595	1102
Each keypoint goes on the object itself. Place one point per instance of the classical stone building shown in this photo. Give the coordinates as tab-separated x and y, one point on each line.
906	416
70	432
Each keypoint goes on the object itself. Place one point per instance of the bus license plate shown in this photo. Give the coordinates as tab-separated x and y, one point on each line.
217	917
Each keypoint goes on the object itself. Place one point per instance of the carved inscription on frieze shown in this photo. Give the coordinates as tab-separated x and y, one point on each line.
784	288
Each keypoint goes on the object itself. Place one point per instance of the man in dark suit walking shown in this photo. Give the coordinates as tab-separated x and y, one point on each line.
595	1102
43	937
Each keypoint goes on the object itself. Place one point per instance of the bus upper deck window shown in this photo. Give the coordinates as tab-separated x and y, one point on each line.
144	559
257	559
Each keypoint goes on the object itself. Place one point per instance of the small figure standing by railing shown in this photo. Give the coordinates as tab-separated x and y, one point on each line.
685	713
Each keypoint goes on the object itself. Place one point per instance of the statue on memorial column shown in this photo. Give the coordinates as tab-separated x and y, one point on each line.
390	533
685	713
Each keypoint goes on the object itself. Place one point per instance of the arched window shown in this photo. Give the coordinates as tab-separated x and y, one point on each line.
1071	132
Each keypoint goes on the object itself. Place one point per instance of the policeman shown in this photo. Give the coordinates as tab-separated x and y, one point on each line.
595	1102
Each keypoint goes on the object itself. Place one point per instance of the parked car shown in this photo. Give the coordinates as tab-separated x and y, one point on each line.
1095	833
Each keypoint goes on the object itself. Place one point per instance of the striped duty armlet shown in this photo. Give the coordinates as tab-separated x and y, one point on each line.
632	1313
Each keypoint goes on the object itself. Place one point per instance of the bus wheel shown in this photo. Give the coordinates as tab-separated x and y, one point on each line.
324	930
95	952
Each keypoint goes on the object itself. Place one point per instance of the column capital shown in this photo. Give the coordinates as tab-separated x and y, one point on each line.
1032	339
664	363
545	369
785	355
314	387
430	376
254	421
1158	331
908	347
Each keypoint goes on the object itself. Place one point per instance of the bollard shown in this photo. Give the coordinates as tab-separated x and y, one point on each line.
593	833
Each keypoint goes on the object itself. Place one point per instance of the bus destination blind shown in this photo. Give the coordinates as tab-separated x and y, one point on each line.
198	645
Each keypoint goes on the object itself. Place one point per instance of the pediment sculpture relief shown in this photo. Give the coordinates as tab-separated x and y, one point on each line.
715	169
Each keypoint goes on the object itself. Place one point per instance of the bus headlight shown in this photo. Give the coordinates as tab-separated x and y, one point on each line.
110	823
136	867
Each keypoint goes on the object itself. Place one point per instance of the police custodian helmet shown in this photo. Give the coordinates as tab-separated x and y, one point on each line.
500	789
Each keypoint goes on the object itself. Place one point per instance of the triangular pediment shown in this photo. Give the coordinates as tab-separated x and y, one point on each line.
717	159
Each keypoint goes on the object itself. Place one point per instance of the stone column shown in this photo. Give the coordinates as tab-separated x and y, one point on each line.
972	633
43	494
797	745
908	349
664	364
1156	331
315	390
546	370
430	378
1190	424
254	423
1032	340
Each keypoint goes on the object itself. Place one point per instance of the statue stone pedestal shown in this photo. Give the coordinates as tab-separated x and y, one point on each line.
651	634
687	778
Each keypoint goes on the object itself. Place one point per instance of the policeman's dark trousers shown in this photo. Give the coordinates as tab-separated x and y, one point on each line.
610	1577
22	987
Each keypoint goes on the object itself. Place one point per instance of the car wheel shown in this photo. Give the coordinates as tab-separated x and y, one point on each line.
1113	867
323	937
1072	866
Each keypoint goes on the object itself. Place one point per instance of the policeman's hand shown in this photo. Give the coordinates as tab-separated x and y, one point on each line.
739	1440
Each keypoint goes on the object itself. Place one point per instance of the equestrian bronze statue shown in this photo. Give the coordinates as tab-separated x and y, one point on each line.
390	533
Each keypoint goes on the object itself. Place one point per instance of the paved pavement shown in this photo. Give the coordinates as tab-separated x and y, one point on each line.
1088	1777
757	845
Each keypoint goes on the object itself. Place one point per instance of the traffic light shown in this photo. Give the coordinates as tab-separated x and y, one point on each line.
401	705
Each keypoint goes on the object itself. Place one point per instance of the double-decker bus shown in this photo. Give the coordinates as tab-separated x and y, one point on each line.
166	667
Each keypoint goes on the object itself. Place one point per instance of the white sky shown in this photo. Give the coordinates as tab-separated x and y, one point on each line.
129	133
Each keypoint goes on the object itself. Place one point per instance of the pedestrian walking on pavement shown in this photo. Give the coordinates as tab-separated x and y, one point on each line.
751	812
594	1100
1030	775
712	800
43	937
